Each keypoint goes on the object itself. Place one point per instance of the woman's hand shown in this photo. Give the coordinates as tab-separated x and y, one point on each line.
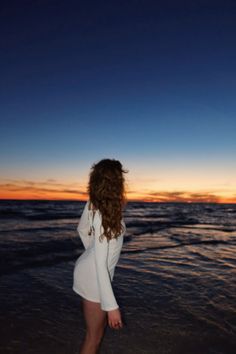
114	319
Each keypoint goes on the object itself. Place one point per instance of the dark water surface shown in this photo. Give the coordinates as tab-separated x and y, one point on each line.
175	281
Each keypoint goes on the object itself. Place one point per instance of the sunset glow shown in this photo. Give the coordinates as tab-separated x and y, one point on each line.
55	190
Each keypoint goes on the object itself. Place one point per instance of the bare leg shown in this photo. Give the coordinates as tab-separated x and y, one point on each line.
96	320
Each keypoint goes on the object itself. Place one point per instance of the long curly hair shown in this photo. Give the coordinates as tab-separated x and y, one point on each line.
106	190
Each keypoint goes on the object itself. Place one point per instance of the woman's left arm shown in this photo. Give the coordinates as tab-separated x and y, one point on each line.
84	226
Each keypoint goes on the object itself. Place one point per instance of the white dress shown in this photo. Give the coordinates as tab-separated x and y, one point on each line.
94	269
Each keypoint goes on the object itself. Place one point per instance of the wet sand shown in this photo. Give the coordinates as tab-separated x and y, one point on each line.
37	318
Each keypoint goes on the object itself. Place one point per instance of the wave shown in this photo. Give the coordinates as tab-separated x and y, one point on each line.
32	263
17	256
183	244
51	252
9	214
43	229
52	216
5	214
158	225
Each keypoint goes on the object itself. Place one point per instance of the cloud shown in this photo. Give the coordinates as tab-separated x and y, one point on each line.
45	188
74	191
180	196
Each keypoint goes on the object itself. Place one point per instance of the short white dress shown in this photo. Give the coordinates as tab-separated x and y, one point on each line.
94	269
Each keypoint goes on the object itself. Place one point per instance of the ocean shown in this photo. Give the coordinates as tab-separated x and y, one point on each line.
175	281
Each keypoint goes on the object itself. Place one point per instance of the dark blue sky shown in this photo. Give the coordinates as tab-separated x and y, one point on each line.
147	82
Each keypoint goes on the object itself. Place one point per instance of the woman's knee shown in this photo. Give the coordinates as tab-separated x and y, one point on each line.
94	338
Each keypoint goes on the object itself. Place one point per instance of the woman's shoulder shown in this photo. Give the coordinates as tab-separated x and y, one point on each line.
92	210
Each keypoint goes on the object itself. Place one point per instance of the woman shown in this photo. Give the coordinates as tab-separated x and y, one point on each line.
101	229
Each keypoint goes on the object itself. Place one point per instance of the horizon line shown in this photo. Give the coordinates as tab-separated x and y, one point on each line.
128	201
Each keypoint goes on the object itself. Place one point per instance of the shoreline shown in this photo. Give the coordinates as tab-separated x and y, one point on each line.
41	319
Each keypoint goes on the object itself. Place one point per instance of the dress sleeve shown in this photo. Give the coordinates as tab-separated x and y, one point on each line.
84	226
107	298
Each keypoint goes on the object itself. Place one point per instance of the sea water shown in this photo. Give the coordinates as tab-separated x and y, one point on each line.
176	273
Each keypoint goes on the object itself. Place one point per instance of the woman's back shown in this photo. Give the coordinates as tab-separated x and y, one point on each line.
98	261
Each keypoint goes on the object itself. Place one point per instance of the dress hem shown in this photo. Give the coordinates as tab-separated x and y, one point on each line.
96	301
85	297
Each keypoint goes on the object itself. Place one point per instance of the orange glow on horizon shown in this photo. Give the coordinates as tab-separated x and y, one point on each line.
53	190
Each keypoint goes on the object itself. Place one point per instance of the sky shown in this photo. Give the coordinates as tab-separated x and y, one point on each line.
150	83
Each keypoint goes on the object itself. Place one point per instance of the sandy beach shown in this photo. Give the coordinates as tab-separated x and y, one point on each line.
38	319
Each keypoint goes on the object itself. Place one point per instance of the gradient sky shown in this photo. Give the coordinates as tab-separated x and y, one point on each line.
150	83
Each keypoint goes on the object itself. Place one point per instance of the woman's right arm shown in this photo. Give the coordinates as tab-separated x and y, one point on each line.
107	298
